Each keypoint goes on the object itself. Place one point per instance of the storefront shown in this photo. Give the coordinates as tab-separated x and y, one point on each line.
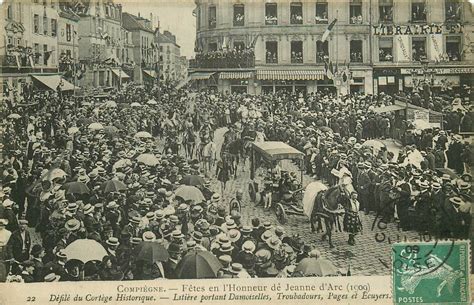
289	81
443	78
202	80
387	80
236	82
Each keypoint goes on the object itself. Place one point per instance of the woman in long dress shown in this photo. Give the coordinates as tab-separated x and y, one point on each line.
352	223
223	172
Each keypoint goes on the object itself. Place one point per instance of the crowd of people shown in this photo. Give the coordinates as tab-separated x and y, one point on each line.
78	169
232	58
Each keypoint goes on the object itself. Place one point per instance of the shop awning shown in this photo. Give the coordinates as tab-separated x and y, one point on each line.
150	73
201	75
390	108
120	73
52	82
290	75
235	75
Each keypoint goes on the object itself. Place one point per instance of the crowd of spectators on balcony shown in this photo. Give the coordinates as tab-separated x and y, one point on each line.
296	19
271	19
297	57
234	58
271	57
356	19
321	18
356	56
239	19
385	54
418	53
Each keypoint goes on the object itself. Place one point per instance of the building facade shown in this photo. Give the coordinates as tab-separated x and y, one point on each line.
289	53
145	50
171	66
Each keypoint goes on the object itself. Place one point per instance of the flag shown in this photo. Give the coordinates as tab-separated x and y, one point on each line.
17	58
330	73
254	41
32	63
336	68
328	30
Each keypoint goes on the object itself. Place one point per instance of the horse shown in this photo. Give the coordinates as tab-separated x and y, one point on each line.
328	205
234	151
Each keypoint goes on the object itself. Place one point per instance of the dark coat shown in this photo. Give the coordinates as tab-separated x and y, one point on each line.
16	246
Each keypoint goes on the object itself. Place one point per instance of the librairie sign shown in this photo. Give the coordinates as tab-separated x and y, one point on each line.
416	29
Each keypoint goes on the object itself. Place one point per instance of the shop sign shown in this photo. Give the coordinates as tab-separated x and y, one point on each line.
417	29
453	70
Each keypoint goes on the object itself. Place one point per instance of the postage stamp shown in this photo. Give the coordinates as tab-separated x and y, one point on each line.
431	272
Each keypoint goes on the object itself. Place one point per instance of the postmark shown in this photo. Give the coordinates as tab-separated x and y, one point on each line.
431	272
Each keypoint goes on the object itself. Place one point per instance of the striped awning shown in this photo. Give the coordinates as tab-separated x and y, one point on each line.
290	74
201	75
235	75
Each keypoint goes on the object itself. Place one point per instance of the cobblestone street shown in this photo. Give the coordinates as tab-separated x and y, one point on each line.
367	257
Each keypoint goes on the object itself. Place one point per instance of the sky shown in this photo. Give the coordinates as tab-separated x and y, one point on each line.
173	15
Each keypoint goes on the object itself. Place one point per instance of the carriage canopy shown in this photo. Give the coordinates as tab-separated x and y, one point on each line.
274	151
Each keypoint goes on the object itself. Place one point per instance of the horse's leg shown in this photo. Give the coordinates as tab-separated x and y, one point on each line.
329	224
311	220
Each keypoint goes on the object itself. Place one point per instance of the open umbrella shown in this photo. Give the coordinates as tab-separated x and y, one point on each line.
54	173
192	180
375	144
447	171
122	163
148	159
85	250
113	186
311	266
198	265
14	116
151	252
135	104
152	102
111	130
110	104
95	126
76	188
188	192
143	135
72	130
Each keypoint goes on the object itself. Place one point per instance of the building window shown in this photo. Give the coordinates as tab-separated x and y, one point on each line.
386	49
356	51
54	27
386	10
296	13
271	55
45	25
45	54
418	11
68	32
322	51
9	12
271	16
321	13
212	17
37	54
36	24
355	8
453	10
418	47
296	52
239	15
453	47
212	46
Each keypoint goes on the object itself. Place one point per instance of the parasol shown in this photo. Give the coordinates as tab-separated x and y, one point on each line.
14	116
143	135
152	102
309	196
72	130
135	104
122	163
76	188
376	145
110	104
198	265
95	126
447	171
85	250
54	173
113	186
148	159
188	192
111	130
192	180
311	266
151	252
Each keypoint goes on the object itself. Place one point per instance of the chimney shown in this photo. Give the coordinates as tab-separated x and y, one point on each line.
138	14
151	20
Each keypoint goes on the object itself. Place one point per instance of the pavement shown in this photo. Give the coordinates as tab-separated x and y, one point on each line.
371	255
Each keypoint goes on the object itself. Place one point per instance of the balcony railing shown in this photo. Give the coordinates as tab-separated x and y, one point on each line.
224	59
